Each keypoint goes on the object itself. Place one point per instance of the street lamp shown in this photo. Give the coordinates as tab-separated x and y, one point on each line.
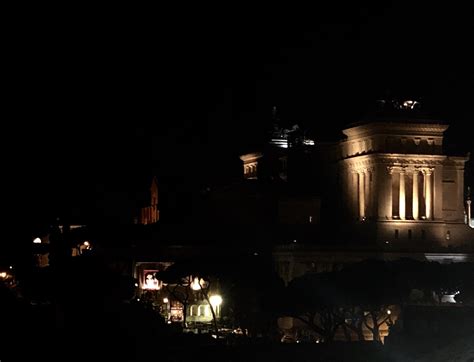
215	300
196	284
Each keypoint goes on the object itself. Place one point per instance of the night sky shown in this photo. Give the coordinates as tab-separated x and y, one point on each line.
102	99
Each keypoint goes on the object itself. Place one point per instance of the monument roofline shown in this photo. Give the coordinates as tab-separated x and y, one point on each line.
426	127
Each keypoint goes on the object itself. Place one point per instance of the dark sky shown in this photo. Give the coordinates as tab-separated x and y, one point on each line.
101	98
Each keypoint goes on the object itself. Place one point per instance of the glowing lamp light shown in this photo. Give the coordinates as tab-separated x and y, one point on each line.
165	300
195	284
215	300
37	241
3	275
136	284
86	243
389	311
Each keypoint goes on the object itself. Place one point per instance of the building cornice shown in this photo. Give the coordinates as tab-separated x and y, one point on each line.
428	129
249	157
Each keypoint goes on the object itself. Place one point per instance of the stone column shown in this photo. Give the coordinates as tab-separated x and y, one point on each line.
438	193
367	192
415	205
361	195
428	193
354	196
384	192
402	196
372	191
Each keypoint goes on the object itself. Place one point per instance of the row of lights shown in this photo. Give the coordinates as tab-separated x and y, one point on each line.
214	300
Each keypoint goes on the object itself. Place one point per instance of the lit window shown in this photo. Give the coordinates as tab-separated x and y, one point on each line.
202	310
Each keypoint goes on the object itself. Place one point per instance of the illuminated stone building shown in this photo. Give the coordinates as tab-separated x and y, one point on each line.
393	175
150	213
250	164
391	193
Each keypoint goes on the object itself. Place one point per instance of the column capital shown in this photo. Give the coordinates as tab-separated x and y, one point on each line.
427	171
413	169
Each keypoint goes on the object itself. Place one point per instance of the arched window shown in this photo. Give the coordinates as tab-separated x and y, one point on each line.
202	310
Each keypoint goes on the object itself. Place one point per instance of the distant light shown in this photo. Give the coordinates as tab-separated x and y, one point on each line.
136	284
256	254
11	266
409	104
169	322
308	142
279	142
86	243
215	300
3	275
138	299
389	311
386	242
294	241
165	300
37	241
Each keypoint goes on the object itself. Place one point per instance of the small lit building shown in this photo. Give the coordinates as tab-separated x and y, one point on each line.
150	213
